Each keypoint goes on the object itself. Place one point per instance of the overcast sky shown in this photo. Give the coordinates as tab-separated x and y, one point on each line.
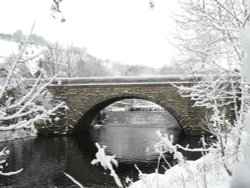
127	31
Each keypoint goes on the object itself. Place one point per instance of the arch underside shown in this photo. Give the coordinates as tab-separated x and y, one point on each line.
87	118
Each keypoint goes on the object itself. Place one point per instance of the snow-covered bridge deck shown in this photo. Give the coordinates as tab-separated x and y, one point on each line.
128	80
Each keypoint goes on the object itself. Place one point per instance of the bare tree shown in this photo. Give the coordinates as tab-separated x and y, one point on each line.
209	33
89	66
73	56
53	59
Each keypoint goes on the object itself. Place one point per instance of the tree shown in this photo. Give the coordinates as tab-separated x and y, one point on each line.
38	39
23	103
73	56
174	69
208	33
66	61
18	36
56	10
89	66
209	40
53	59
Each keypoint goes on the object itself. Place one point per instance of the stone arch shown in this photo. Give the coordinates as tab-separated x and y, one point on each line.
89	115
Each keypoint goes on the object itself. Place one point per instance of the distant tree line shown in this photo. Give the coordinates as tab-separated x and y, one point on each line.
19	36
73	61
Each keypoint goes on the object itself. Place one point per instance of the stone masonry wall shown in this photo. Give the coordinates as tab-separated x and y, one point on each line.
85	101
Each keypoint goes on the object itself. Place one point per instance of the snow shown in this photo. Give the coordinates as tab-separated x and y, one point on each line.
117	109
246	45
148	107
208	171
73	180
128	80
31	56
7	48
242	170
6	135
126	84
97	126
3	155
11	173
189	175
106	162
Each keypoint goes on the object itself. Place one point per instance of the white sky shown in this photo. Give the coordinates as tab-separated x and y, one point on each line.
127	31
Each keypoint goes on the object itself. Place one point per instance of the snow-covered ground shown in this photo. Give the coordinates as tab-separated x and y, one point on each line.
7	48
31	56
194	174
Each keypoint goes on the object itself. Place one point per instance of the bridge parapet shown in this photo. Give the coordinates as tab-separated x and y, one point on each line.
128	80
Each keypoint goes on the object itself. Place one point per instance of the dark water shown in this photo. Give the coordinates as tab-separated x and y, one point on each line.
45	158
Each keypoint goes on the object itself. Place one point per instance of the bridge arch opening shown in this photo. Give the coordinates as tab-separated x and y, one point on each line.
129	140
91	115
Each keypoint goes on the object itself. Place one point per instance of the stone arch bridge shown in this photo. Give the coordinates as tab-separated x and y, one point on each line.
86	97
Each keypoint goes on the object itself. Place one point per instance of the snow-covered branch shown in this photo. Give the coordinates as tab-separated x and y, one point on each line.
107	163
230	12
11	72
24	103
73	180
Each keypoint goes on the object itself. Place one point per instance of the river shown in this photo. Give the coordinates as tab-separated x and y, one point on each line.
132	139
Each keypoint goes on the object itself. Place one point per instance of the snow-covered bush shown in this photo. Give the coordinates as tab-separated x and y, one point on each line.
204	172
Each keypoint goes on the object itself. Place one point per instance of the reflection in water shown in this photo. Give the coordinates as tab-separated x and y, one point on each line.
45	158
130	144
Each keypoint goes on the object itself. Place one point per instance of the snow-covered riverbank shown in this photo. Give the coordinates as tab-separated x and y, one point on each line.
204	172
